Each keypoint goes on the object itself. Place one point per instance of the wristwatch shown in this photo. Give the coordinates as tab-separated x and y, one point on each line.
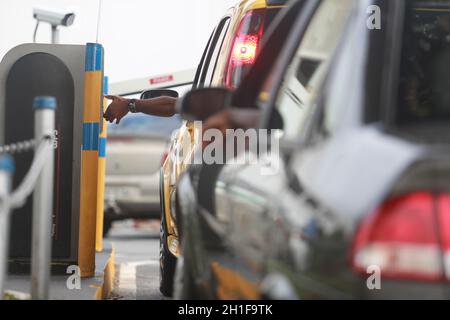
132	106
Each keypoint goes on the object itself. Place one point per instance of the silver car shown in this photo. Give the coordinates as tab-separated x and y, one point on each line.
134	152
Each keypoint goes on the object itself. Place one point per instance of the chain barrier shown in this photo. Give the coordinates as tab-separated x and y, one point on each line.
39	181
41	147
18	147
19	196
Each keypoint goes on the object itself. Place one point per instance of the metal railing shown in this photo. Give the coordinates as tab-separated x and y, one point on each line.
39	179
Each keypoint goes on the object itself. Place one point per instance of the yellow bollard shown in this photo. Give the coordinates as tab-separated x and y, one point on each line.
93	104
101	174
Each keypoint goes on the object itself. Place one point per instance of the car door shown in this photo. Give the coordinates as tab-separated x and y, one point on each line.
182	142
227	280
261	204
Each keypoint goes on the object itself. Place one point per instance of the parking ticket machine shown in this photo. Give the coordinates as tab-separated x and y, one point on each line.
74	75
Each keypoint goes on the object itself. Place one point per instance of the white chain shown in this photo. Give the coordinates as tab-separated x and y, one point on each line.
18	147
19	196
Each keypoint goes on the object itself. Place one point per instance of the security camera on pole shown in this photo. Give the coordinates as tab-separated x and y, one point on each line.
55	19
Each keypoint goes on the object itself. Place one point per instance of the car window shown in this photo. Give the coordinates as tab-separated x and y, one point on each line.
424	84
213	52
353	92
202	62
310	65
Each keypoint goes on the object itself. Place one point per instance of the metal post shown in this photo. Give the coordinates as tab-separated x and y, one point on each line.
44	126
101	174
55	34
6	171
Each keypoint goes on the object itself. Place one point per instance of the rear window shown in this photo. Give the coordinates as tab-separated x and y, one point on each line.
424	93
139	124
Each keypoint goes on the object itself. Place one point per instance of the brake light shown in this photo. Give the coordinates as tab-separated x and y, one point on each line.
244	51
404	237
245	46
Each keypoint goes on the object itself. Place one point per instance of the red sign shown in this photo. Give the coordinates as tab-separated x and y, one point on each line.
161	79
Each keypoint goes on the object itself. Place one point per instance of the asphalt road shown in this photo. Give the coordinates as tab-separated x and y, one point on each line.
137	260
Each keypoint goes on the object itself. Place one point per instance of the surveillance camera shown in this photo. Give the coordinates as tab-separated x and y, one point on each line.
53	17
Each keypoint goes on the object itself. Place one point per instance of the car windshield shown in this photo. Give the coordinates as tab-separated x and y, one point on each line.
144	125
424	92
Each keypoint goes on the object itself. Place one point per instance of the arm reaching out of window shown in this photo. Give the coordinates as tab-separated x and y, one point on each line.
119	107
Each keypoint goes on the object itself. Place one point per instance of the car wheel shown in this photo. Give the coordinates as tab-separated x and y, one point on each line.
167	263
107	224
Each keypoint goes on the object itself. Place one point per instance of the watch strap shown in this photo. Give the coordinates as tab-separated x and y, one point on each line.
132	106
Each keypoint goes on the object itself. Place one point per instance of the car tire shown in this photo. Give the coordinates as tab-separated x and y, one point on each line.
167	264
107	225
167	261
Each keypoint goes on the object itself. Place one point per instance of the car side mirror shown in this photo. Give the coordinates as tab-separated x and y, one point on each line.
150	94
200	104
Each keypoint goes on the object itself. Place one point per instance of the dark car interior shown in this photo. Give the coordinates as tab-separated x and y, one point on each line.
424	93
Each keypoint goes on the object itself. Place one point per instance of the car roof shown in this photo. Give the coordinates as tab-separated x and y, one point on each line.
256	4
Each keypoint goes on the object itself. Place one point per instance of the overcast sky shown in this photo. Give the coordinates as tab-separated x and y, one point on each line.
141	37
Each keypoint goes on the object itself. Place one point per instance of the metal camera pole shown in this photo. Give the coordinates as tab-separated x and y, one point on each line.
55	34
6	171
44	126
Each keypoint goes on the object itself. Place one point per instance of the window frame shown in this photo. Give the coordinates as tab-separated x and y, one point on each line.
313	132
280	75
227	22
296	33
317	130
386	90
202	62
209	51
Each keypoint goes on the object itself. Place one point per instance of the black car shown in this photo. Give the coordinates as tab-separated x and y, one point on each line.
358	206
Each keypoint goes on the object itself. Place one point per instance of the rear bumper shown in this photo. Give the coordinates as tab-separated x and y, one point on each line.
132	197
347	285
135	209
132	210
408	290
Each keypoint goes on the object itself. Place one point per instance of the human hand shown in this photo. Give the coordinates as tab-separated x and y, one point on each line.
117	109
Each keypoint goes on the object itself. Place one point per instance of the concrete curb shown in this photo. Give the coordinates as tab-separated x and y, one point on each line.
98	287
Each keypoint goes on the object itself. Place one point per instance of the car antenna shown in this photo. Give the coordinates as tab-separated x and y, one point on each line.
99	15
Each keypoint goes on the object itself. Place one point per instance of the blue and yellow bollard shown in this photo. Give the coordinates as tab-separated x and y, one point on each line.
92	113
101	173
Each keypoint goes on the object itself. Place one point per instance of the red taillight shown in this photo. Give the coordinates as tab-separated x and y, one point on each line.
244	50
245	46
407	238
